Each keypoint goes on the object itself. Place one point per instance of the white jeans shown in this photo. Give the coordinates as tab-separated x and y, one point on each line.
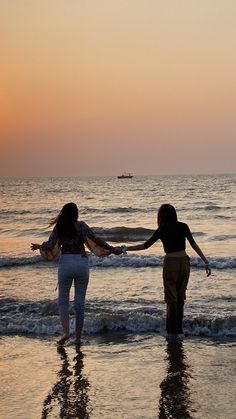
73	267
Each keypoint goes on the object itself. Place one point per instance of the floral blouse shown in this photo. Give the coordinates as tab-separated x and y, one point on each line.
76	245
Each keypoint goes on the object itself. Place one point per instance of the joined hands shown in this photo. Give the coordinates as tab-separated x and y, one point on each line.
117	250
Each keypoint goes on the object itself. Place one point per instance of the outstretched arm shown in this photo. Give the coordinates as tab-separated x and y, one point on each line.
143	246
136	247
202	256
124	248
49	244
100	242
35	246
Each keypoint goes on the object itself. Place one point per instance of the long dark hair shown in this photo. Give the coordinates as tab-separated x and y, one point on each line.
166	215
65	220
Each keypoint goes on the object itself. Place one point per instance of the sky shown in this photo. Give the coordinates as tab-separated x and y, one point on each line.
99	87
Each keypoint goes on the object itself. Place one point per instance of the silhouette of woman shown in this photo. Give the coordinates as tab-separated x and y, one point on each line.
69	236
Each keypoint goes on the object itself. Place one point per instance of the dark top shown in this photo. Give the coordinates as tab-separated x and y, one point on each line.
173	237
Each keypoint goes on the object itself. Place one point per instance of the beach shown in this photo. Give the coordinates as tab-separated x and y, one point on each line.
125	367
113	376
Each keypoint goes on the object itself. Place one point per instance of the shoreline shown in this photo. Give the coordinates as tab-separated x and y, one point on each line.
132	376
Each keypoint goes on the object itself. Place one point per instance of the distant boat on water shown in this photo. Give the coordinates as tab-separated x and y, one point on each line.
125	176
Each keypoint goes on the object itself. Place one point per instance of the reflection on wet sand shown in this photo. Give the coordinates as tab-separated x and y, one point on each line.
69	396
175	401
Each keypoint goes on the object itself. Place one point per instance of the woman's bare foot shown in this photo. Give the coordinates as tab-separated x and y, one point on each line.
63	340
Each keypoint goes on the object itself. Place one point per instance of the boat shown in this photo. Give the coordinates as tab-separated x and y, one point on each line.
125	176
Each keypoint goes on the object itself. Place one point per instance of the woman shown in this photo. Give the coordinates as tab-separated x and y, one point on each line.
70	236
176	268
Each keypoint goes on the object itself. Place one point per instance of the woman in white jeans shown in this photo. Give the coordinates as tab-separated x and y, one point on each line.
70	236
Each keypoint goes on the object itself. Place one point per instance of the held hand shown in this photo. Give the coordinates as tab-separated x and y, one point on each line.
117	250
35	246
124	249
208	269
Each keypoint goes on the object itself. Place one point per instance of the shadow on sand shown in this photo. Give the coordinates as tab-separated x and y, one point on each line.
175	401
69	397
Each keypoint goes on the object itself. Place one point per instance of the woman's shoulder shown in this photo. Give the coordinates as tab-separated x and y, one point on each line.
81	225
183	226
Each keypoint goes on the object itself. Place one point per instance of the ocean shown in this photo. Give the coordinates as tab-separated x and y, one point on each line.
125	367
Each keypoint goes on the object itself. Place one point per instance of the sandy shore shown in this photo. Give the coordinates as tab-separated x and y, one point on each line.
119	376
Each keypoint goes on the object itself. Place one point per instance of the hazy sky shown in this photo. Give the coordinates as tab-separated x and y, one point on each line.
98	87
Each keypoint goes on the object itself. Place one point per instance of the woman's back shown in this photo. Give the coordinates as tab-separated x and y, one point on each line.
73	243
173	236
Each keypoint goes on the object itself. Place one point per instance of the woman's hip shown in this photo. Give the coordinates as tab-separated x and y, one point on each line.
175	268
73	264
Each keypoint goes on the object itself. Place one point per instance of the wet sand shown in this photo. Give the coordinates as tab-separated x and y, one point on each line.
118	376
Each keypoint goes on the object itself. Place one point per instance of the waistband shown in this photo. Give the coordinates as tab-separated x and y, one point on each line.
73	256
178	254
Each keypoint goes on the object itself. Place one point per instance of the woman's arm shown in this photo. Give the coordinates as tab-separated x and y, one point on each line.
124	248
100	242
35	246
49	244
49	250
202	256
136	247
143	246
97	245
52	240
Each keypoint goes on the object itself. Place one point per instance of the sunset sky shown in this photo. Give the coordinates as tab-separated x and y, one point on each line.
98	87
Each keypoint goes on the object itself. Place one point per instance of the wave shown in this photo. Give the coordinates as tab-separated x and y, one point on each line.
123	261
224	237
10	261
212	207
115	234
8	213
224	217
129	234
41	318
111	210
124	234
11	213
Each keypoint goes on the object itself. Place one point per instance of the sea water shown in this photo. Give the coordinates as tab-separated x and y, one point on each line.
125	294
